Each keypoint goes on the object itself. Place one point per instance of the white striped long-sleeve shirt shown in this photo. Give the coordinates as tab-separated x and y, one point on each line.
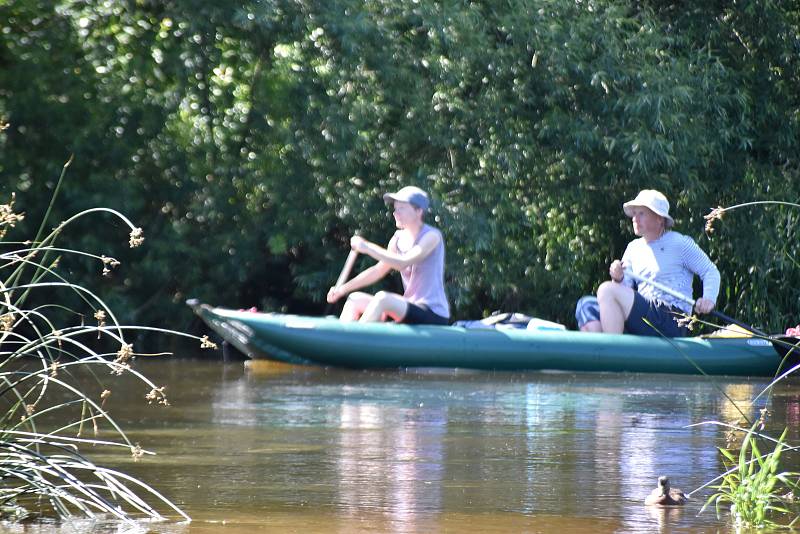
672	260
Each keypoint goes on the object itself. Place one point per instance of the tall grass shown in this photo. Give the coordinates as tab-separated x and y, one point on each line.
56	373
754	487
758	492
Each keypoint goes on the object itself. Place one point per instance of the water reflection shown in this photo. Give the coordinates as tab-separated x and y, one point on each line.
793	411
346	451
665	519
404	459
410	446
736	408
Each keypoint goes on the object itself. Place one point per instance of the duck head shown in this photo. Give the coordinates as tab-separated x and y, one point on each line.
663	485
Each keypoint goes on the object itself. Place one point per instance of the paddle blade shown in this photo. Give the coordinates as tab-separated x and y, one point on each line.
787	345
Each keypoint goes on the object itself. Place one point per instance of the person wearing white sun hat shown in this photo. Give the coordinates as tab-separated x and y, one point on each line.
659	254
416	250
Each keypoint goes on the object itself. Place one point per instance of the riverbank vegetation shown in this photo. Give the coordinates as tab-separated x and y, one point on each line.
267	130
62	348
754	488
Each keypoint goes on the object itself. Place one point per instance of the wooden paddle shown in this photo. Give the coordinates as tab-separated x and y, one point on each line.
348	266
782	344
344	275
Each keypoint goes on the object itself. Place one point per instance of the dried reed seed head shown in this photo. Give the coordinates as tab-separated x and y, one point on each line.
30	409
713	215
54	369
119	368
124	354
764	414
732	439
689	321
136	238
8	219
7	322
157	395
100	316
104	396
137	452
108	264
109	261
206	343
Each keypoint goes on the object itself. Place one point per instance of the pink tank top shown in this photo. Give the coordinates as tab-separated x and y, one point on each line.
423	282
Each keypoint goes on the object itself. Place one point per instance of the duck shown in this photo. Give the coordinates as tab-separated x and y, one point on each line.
663	495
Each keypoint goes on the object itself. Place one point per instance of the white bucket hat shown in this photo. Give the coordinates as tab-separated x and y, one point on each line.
654	200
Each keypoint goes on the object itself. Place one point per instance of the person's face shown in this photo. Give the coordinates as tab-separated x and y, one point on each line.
405	213
645	221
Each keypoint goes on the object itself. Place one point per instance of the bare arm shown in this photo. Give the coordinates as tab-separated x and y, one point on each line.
698	262
394	259
365	278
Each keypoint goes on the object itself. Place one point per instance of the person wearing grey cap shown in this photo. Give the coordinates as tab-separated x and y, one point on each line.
660	254
416	250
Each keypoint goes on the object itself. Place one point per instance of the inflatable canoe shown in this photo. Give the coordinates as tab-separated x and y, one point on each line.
328	342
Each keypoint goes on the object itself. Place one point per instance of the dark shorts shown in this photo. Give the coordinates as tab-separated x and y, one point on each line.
662	319
421	314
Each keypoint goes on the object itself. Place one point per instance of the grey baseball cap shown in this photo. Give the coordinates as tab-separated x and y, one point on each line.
412	195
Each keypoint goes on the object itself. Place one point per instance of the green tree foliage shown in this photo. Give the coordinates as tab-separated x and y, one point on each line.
250	139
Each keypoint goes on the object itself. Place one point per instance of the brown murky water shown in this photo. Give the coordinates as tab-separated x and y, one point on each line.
262	448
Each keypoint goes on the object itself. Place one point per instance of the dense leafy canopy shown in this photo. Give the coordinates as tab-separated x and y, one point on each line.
249	139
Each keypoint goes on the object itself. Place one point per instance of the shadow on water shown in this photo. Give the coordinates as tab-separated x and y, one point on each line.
278	448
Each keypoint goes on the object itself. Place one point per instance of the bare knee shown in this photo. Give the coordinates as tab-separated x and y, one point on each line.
354	306
592	326
358	299
384	301
606	290
381	296
385	304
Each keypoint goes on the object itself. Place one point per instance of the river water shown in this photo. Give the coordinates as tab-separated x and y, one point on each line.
274	448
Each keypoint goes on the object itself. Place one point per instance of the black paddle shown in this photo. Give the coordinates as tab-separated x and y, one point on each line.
783	345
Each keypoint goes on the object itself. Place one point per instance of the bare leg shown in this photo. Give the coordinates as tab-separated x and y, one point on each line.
385	304
592	326
354	306
616	301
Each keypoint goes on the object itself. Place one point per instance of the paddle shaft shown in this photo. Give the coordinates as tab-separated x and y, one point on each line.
344	275
690	300
348	266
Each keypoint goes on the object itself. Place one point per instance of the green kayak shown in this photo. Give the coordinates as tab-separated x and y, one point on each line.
328	342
